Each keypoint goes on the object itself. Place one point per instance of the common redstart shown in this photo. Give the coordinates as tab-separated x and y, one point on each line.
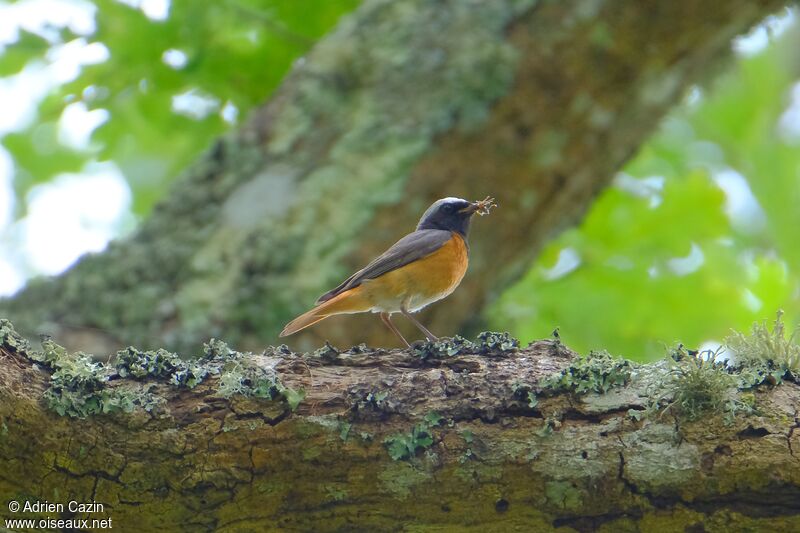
419	269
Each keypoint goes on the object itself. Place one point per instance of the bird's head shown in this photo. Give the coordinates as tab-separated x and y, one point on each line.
454	214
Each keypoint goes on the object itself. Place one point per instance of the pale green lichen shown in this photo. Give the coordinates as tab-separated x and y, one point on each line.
375	400
494	343
698	383
80	385
335	492
597	372
11	339
765	356
525	393
444	347
489	343
692	384
160	364
240	377
327	352
238	373
406	445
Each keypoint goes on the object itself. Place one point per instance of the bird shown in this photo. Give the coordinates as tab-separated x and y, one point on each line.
419	269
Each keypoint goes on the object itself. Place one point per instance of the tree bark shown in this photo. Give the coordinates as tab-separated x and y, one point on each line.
535	103
495	460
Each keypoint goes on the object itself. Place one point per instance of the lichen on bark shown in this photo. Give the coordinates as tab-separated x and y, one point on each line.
574	461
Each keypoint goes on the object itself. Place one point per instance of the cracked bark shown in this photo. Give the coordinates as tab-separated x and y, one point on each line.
535	103
200	461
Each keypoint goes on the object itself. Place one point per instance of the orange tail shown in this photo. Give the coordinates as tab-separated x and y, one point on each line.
351	301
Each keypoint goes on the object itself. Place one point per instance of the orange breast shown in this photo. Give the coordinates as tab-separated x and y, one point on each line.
420	283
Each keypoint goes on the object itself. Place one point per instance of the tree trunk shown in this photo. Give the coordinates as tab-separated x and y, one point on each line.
390	440
535	103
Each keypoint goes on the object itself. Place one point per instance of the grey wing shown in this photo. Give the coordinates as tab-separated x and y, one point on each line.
413	246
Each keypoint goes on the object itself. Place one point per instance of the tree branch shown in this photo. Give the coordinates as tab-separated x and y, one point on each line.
494	436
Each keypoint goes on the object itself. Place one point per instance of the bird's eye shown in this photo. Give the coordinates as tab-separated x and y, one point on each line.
447	208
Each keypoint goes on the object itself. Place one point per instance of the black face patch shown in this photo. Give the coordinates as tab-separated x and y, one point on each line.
447	214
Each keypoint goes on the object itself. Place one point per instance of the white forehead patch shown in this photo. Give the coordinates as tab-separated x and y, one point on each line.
451	199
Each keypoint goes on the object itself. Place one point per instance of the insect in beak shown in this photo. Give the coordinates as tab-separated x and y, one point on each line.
481	207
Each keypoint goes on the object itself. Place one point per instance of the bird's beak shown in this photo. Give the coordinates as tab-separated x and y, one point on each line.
481	207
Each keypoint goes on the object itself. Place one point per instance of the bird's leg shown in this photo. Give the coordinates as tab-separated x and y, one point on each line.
423	329
386	318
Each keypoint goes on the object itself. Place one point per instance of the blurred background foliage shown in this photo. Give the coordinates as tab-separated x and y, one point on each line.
697	235
177	75
130	92
699	232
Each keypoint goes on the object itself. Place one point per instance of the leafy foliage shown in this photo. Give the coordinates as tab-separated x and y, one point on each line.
223	57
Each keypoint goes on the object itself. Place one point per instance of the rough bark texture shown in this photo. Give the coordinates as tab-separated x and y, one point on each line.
536	103
496	460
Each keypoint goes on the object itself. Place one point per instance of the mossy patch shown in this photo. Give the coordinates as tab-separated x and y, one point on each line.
563	495
400	479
